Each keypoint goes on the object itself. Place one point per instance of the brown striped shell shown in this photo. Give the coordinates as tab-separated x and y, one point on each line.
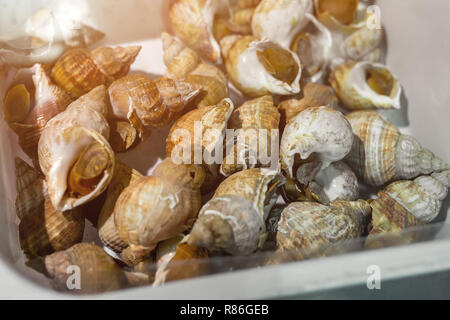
211	123
79	70
159	207
123	177
228	224
381	154
46	230
184	64
149	104
257	123
310	227
96	270
192	21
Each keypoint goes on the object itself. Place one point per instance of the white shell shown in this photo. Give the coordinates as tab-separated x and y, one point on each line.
338	182
423	197
321	130
282	21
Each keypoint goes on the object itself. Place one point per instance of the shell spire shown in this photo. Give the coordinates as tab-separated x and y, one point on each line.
115	62
184	64
381	154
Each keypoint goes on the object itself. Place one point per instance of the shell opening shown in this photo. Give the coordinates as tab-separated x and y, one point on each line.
279	63
88	170
17	104
380	80
343	11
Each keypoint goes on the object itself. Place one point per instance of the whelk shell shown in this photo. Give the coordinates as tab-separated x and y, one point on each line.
159	207
381	154
340	15
149	104
406	204
365	85
259	186
192	21
280	21
228	224
98	271
182	141
308	228
46	230
123	177
249	119
27	120
74	153
319	137
338	182
314	95
184	63
79	70
184	261
261	67
31	189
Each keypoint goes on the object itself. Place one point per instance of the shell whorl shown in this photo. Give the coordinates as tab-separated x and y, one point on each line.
228	223
422	197
380	153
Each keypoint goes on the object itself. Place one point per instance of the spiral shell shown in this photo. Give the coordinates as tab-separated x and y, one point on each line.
46	230
147	103
423	196
280	21
74	153
183	63
320	136
98	271
228	224
261	67
315	46
342	16
314	95
31	189
79	70
159	207
28	122
257	123
209	125
310	227
381	154
259	186
366	85
338	182
192	21
123	177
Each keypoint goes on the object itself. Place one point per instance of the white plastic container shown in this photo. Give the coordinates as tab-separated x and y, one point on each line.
418	54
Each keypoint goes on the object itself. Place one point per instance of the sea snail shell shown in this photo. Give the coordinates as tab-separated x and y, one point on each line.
381	154
74	153
321	133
